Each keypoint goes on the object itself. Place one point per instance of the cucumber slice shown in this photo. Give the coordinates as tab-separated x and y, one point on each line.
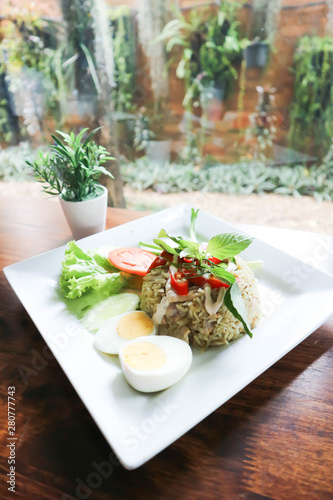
255	264
96	317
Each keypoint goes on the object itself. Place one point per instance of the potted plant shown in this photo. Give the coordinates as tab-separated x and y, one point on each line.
149	135
124	61
256	53
210	97
264	26
71	171
260	135
210	46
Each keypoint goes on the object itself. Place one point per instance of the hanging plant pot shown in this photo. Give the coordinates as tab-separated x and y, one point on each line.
256	54
88	216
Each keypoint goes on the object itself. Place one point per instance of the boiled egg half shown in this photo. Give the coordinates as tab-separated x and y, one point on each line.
120	330
155	363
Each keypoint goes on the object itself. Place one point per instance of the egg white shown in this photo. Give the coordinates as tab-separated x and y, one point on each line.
107	339
178	361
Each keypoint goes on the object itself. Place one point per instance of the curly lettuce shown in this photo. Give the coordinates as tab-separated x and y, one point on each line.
88	272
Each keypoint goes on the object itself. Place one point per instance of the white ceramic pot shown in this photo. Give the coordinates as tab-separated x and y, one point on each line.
78	105
158	151
86	217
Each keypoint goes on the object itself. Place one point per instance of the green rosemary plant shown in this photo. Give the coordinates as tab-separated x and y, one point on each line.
72	167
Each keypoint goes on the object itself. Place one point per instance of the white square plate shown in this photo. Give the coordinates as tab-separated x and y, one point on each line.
138	426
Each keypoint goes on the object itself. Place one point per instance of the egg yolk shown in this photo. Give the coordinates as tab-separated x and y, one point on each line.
144	356
136	324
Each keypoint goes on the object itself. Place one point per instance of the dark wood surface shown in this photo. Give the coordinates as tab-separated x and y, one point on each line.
273	440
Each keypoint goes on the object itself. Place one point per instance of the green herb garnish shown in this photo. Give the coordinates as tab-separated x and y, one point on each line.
227	245
234	301
224	247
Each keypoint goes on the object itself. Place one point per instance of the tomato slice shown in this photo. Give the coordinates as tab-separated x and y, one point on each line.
132	260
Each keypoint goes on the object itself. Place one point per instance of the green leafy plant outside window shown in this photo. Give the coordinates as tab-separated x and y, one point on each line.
210	46
124	51
238	179
311	116
31	42
149	126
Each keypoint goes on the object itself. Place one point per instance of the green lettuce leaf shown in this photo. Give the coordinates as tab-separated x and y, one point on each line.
84	272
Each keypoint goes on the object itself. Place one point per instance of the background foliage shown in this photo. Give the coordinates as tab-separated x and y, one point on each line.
312	108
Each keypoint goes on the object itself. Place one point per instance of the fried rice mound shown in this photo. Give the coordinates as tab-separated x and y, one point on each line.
187	317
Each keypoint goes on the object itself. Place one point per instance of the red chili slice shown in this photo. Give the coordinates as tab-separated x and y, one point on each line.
212	281
197	280
215	260
161	260
157	263
216	283
178	282
166	255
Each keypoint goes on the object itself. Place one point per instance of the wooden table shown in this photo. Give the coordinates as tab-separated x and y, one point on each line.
272	440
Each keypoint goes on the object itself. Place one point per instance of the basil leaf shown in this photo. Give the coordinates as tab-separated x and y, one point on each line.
164	234
186	252
226	245
222	273
234	301
167	244
189	244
